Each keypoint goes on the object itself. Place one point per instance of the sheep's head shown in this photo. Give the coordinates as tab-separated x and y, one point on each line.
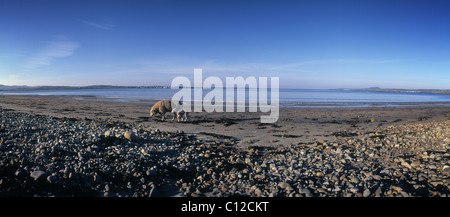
152	112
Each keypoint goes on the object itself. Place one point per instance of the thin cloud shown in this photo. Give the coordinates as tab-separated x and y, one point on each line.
336	61
270	68
54	49
179	66
99	25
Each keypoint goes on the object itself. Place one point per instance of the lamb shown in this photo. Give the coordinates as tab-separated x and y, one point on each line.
181	114
164	106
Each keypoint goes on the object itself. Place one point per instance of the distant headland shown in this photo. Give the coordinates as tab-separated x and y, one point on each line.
398	90
24	87
375	89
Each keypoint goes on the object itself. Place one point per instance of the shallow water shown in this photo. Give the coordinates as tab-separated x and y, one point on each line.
287	97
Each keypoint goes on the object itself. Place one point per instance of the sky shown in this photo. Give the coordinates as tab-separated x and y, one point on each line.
309	44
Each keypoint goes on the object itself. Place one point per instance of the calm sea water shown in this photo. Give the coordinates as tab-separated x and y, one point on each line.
287	97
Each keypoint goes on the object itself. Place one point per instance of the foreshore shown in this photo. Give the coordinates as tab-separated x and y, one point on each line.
61	146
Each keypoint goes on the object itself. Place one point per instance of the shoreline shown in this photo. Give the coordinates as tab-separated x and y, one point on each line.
59	146
304	124
285	104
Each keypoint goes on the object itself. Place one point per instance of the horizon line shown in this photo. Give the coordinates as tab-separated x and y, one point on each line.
168	86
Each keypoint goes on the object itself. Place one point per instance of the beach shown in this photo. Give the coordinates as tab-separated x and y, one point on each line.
64	146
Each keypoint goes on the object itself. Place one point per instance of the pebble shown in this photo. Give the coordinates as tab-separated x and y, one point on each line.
109	133
128	135
260	177
51	178
37	174
406	164
107	158
257	190
305	191
416	163
397	189
366	193
376	177
378	192
354	190
285	186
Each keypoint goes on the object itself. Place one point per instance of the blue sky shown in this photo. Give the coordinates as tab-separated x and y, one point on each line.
307	44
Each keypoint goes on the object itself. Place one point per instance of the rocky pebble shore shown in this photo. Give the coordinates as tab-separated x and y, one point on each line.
49	156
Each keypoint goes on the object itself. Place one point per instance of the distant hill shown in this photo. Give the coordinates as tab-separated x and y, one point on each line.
396	90
24	87
14	87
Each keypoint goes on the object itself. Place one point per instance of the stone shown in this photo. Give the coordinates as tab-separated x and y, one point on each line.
261	177
446	169
258	192
109	133
354	179
397	189
37	174
51	178
129	135
384	172
422	177
273	167
194	194
404	194
416	163
319	174
406	164
378	192
305	191
376	177
285	186
436	183
354	190
320	190
366	193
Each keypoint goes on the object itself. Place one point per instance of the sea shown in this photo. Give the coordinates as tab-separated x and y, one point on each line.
287	97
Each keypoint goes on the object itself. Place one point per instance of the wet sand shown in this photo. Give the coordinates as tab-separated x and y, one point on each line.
295	125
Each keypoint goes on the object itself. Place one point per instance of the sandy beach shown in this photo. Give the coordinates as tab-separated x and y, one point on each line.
51	144
295	125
